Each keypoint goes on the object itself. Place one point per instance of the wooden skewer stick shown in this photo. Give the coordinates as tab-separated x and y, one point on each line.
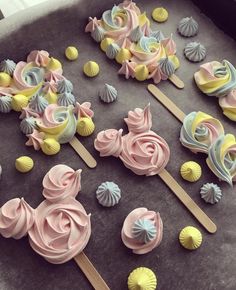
166	102
83	152
182	195
90	272
176	81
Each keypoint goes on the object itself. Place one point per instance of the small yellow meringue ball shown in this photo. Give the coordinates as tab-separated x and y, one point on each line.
24	164
51	98
91	69
54	64
141	72
71	53
142	278
190	238
19	102
160	14
105	43
50	146
143	19
85	126
123	55
191	171
5	79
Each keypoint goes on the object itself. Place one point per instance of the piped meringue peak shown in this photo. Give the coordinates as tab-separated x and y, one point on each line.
59	228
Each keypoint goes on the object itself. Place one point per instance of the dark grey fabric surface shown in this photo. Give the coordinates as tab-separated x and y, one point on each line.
213	265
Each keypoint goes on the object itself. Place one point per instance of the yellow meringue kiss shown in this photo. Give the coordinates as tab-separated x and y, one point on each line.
51	97
54	64
5	79
123	55
141	72
160	14
71	53
105	43
190	238
91	69
19	102
142	278
191	171
50	146
24	164
85	127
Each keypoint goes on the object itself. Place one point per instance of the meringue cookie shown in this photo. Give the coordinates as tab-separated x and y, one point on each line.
211	193
142	278
190	238
191	171
91	69
28	125
50	146
160	14
8	66
136	34
188	27
38	103
98	33
123	55
71	53
108	194
24	164
108	94
195	51
158	35
112	50
66	99
85	126
167	66
144	230
64	86
18	102
5	104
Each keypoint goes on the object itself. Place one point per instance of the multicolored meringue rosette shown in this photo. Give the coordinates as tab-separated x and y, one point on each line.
61	230
228	105
222	158
16	218
61	182
200	131
129	236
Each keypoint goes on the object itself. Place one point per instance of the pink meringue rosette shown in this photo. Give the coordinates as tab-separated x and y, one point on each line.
228	105
61	182
61	230
16	218
39	57
127	235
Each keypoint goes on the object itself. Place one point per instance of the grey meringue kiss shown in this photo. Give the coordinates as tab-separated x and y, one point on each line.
28	125
112	50
158	35
64	86
211	193
5	104
188	27
167	66
195	51
108	94
108	194
98	33
136	34
38	103
8	66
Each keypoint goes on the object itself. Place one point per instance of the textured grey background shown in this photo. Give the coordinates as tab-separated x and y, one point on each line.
213	265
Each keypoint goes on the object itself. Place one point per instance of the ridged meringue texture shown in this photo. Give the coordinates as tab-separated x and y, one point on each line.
65	99
71	53
24	164
5	104
144	230
108	94
91	69
105	43
188	27
123	55
195	51
108	194
160	14
54	64
112	50
142	278
7	66
98	33
85	126
167	66
38	103
158	35
191	171
50	146
136	34
211	193
28	125
18	102
141	72
64	86
190	238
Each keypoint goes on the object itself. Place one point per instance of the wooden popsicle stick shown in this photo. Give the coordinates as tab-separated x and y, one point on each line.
162	98
176	81
90	272
83	152
182	195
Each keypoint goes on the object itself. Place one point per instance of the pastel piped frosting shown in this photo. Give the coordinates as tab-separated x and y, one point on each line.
108	94
108	194
188	27
195	51
65	99
28	125
112	50
64	86
5	104
8	66
38	103
144	230
211	193
136	34
167	66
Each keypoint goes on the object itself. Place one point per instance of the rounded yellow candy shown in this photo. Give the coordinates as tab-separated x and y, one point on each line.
160	14
123	55
24	164
190	238
19	102
71	53
5	79
191	171
91	69
50	146
54	64
85	126
105	43
141	72
142	278
143	19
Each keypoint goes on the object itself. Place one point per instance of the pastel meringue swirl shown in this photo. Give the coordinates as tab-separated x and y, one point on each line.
61	182
16	218
228	105
108	94
130	239
195	51
200	131
61	230
188	27
211	193
144	230
222	158
108	194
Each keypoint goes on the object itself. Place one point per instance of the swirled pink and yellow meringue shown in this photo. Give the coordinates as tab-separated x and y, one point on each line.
16	218
39	57
228	105
127	234
61	230
61	182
